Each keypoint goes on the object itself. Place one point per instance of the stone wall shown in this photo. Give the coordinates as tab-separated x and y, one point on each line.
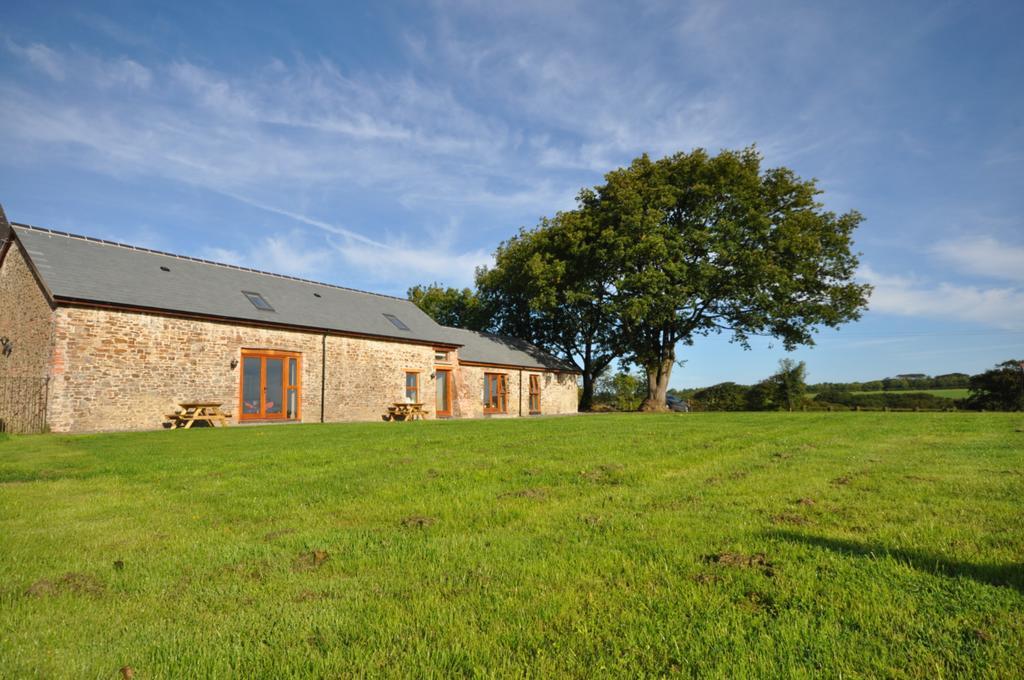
365	376
115	370
26	321
558	392
118	370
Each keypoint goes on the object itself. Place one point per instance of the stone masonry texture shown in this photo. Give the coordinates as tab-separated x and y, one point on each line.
110	369
120	370
26	323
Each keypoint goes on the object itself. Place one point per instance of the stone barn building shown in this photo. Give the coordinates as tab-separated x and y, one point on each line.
97	336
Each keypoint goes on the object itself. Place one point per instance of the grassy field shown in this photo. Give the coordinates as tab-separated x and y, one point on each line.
732	545
948	393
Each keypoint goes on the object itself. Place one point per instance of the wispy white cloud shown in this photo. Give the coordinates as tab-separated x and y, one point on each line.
40	56
983	256
311	256
280	126
101	73
111	29
998	307
499	112
289	253
423	264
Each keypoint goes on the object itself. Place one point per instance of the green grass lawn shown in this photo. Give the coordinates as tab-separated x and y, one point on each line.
736	545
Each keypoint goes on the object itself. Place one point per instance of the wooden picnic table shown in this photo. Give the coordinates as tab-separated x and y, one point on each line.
403	410
194	411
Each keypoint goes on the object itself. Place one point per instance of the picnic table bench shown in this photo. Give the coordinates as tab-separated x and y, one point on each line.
402	410
196	411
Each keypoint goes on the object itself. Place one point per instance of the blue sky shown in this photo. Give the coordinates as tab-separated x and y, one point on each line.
399	143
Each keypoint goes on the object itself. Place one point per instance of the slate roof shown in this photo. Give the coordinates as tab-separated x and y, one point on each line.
503	350
81	269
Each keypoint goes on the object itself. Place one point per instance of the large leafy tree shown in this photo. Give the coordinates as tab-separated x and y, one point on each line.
699	244
998	389
459	307
552	285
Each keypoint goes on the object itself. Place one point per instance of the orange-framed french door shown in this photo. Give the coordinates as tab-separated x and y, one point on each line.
271	385
534	393
495	393
443	407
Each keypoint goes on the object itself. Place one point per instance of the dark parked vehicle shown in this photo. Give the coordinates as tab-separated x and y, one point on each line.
676	404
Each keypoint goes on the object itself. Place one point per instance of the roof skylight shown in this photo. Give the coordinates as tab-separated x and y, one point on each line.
398	323
258	301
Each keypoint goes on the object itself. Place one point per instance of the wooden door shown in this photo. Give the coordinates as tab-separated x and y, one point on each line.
495	393
443	406
534	393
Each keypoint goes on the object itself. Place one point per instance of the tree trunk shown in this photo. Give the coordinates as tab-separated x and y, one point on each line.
587	398
657	384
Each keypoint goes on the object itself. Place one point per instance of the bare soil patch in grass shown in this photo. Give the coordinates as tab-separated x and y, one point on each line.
758	561
705	578
980	635
418	522
308	561
604	474
535	493
277	533
71	582
758	602
310	596
791	519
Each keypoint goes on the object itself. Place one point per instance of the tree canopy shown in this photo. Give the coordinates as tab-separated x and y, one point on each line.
663	252
700	244
452	306
998	389
552	286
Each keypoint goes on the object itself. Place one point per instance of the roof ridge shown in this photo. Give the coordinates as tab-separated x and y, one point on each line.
200	260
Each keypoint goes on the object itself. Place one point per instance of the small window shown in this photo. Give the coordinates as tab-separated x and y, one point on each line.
412	387
398	323
440	355
257	301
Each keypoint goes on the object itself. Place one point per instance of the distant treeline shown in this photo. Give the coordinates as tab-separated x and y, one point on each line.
946	381
998	389
733	397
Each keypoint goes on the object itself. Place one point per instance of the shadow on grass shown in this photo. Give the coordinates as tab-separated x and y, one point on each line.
1010	575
